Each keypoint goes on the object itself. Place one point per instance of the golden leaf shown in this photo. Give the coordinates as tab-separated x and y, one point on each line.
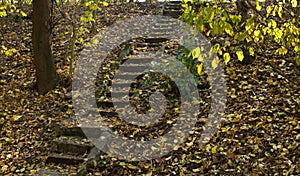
226	57
214	149
215	62
240	55
294	3
199	69
196	53
251	51
105	4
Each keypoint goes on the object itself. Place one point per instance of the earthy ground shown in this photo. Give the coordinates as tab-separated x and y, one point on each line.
259	134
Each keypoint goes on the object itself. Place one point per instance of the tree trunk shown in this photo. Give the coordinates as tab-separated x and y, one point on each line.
46	74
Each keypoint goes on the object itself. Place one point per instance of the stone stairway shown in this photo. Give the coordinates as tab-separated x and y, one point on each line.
70	145
173	9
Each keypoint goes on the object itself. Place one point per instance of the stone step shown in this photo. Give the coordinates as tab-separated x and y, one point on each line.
127	76
145	44
174	2
108	113
74	145
132	67
172	13
162	29
172	6
70	128
168	21
108	103
154	40
138	60
60	158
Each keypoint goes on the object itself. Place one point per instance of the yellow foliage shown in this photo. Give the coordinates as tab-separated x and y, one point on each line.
240	55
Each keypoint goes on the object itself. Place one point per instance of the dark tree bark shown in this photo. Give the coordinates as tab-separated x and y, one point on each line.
46	74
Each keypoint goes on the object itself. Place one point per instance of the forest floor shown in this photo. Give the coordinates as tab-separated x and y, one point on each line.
259	134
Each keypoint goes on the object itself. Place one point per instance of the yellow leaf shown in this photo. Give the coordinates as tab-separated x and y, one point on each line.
176	147
217	48
4	168
226	58
105	4
199	69
240	55
208	147
196	170
282	50
9	53
33	171
87	3
269	10
251	51
215	62
130	166
3	13
93	7
258	6
214	149
181	173
4	48
297	48
23	13
259	123
229	162
16	117
149	174
256	33
294	3
196	52
95	41
122	163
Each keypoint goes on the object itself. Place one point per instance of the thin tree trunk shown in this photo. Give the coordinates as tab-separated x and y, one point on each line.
46	74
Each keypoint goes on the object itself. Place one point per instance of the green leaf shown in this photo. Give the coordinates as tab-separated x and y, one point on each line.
228	29
249	24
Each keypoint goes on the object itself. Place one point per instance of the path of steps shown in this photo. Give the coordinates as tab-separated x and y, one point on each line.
70	146
173	9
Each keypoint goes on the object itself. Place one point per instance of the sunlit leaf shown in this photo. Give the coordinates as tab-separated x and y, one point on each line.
240	55
258	6
105	4
294	3
199	69
251	51
226	57
214	149
23	13
196	52
228	29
